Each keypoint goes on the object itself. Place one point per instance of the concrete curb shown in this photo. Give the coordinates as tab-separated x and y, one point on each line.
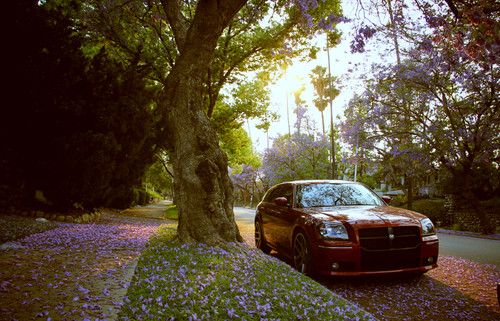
470	234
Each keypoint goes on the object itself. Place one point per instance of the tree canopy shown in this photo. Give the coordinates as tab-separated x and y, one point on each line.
82	130
436	108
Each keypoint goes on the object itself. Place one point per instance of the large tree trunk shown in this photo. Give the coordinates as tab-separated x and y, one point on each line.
204	192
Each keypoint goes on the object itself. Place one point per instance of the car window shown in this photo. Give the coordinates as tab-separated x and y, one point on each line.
269	195
279	191
330	194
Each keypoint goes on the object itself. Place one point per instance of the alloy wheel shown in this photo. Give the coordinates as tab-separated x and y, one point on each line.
301	256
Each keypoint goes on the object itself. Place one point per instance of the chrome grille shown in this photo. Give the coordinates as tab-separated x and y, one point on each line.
389	248
388	238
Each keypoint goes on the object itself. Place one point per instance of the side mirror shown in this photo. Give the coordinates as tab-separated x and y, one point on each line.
281	201
386	198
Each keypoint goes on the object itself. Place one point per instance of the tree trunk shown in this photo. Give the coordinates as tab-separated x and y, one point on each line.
409	191
323	122
204	192
468	200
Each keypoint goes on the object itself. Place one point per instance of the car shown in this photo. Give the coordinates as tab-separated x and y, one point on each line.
343	228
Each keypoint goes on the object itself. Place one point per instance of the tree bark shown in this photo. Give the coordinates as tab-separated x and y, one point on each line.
409	191
204	192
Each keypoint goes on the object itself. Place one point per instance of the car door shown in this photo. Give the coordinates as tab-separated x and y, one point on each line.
283	219
268	212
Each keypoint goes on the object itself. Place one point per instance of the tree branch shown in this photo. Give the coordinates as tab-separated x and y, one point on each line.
176	20
453	8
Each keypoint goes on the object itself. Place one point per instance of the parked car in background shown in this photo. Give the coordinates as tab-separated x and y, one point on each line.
343	228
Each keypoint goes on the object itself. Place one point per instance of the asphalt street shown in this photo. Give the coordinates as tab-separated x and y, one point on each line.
244	215
472	248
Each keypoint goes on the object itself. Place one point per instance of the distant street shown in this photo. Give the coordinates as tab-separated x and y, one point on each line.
244	215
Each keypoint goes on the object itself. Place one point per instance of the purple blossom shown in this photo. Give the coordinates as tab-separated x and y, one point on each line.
363	34
69	288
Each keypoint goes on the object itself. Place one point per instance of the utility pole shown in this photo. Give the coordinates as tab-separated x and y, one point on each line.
288	114
286	97
332	136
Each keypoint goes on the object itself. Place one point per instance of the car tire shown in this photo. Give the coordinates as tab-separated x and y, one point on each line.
260	241
302	254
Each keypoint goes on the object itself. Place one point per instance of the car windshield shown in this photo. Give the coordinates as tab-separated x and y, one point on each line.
334	194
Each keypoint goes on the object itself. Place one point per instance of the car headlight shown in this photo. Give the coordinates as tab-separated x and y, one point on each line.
427	227
333	231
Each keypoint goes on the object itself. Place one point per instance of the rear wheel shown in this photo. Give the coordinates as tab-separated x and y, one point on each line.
260	241
302	254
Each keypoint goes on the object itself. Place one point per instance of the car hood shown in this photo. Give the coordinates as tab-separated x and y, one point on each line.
364	214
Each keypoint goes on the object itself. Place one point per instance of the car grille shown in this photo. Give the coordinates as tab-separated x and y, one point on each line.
389	248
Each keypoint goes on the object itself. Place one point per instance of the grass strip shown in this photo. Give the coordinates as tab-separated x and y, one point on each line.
171	212
176	281
16	227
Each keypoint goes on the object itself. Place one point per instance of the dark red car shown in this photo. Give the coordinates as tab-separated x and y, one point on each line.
343	228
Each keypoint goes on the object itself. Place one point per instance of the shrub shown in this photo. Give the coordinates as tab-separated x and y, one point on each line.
432	208
467	219
399	200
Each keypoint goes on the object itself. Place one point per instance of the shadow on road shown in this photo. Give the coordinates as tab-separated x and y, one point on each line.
410	297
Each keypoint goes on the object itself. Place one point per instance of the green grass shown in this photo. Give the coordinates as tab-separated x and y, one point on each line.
175	281
16	227
171	212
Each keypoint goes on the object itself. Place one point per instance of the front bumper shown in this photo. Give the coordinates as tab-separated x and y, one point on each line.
349	259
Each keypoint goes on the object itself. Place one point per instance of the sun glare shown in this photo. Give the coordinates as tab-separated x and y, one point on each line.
295	77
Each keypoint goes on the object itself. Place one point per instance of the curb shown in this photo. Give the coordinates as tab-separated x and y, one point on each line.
470	234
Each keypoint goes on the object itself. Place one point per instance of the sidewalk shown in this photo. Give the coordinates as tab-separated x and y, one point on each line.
74	272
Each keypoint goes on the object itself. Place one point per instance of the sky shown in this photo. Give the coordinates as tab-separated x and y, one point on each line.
344	65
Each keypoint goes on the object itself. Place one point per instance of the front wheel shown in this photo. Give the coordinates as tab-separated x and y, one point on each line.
302	254
260	241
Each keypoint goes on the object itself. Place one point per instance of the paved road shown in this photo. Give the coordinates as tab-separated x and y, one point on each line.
471	248
244	215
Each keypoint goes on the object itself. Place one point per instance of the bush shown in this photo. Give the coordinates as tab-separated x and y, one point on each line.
432	208
141	197
467	220
398	201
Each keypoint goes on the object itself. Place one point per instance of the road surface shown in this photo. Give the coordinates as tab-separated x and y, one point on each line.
472	248
244	215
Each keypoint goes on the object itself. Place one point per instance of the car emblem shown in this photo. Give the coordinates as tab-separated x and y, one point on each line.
391	235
